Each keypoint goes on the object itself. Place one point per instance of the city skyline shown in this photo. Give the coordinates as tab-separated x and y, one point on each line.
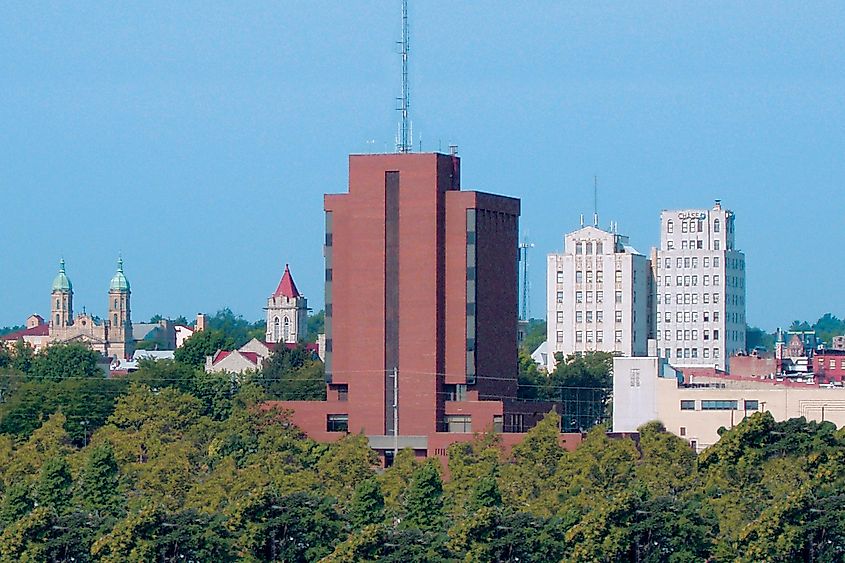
202	151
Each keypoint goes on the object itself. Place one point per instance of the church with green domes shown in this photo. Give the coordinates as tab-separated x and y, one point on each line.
111	336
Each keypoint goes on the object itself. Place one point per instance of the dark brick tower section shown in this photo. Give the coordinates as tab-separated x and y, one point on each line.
420	277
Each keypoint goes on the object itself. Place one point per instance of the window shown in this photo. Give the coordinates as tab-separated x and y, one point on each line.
705	298
667	353
687	316
115	304
618	336
559	336
599	336
589	297
706	280
560	297
686	262
670	226
752	405
706	334
695	262
687	405
715	261
589	336
667	298
715	316
115	319
715	352
579	316
559	316
277	330
695	299
667	262
716	244
599	276
716	280
694	335
343	393
579	336
684	226
517	423
667	317
618	316
619	297
635	377
706	352
694	352
579	296
497	423
599	248
683	431
589	248
683	245
461	423
715	299
717	226
679	262
579	276
667	335
706	261
718	405
679	353
695	280
579	248
667	280
599	297
589	276
670	245
599	316
559	276
337	423
679	335
57	319
679	316
618	276
286	329
589	316
679	280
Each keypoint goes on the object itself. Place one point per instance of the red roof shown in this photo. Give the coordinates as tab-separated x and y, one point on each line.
221	355
251	356
40	330
286	286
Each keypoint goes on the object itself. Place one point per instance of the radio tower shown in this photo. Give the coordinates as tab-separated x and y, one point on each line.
404	143
525	310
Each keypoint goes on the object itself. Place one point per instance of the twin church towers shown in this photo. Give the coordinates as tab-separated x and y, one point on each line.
111	336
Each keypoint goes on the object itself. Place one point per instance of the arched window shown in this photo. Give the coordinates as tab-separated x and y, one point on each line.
670	226
287	329
115	303
115	318
717	226
58	319
276	329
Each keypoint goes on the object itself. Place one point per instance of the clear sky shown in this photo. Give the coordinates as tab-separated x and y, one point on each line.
198	138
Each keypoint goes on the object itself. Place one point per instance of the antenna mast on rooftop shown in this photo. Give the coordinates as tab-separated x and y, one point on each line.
525	309
404	142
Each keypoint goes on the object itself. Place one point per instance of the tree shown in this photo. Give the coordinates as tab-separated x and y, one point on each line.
98	480
201	344
346	464
367	505
54	482
315	326
62	361
22	357
526	480
758	338
534	335
423	501
531	383
582	383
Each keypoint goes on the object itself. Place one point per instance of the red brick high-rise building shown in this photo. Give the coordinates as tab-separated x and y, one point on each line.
421	281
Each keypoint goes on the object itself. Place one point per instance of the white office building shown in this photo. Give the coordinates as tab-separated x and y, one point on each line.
598	296
699	283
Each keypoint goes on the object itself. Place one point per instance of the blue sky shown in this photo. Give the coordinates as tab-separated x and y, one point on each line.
199	138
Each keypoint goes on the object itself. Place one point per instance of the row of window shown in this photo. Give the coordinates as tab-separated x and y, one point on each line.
692	225
720	405
589	247
832	364
687	298
690	316
591	297
692	280
688	334
695	245
591	336
689	262
681	353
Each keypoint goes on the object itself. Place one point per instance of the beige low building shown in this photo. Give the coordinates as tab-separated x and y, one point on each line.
646	389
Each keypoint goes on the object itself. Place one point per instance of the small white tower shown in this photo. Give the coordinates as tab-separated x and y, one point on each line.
287	312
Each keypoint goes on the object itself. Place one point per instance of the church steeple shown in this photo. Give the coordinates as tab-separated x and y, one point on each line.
120	317
287	312
61	299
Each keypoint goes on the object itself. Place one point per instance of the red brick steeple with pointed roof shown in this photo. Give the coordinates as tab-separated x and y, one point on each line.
286	286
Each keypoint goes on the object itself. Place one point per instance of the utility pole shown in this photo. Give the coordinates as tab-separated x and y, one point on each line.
395	413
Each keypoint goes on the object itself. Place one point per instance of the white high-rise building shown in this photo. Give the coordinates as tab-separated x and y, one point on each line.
699	283
598	296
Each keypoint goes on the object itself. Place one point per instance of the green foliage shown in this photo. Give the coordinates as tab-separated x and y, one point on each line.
61	361
201	344
534	335
758	338
367	505
293	375
424	498
315	325
583	384
235	328
54	481
532	383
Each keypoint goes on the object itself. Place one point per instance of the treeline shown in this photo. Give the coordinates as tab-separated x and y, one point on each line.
179	465
66	378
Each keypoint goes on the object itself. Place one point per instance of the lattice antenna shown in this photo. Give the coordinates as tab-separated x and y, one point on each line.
525	308
404	142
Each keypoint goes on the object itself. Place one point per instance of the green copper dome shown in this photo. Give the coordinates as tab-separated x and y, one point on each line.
119	281
62	282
